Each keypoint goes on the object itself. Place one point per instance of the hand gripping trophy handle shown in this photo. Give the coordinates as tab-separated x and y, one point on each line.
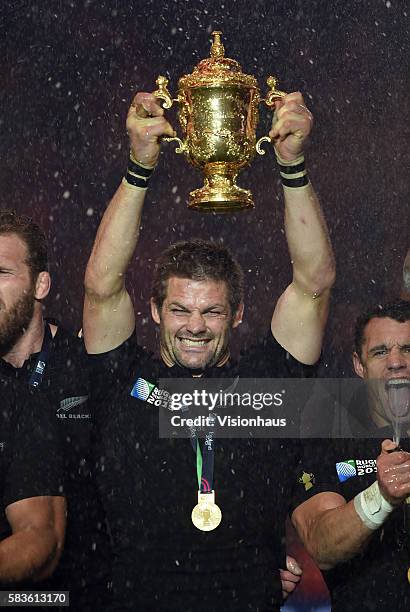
273	95
163	94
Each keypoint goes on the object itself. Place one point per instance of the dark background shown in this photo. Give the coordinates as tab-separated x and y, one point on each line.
69	69
68	73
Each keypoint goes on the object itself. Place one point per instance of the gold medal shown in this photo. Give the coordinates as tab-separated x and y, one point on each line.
206	515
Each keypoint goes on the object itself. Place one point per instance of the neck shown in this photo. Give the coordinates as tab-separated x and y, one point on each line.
29	342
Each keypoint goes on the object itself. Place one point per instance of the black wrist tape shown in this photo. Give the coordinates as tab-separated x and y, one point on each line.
293	174
137	175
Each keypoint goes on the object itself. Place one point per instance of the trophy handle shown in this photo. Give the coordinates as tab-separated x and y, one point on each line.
162	92
260	141
273	93
181	148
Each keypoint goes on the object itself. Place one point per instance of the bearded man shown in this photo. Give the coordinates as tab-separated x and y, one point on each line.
37	356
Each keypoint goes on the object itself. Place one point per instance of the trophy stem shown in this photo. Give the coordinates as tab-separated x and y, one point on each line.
220	193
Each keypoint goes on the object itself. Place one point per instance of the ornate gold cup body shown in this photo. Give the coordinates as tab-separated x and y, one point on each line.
218	113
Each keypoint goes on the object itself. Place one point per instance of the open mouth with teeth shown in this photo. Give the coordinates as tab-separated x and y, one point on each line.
194	342
398	393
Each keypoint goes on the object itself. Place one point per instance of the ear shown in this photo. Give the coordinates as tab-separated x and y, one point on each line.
237	319
155	312
43	284
358	366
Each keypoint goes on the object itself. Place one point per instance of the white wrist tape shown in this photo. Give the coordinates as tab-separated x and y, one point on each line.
371	506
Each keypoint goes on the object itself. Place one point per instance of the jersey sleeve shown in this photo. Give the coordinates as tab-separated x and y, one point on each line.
109	372
268	359
35	467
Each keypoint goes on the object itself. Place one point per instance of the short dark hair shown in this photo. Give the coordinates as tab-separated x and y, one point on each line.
198	260
33	237
399	311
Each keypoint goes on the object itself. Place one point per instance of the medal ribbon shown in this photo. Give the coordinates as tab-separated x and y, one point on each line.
37	374
205	459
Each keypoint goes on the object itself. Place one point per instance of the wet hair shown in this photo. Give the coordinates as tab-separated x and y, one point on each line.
198	260
33	237
398	310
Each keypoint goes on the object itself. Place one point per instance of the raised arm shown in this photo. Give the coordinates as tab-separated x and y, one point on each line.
34	548
300	314
334	531
108	310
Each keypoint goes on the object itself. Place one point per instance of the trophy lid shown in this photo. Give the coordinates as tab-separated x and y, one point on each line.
217	69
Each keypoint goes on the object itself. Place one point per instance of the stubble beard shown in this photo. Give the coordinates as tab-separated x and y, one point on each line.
210	361
16	321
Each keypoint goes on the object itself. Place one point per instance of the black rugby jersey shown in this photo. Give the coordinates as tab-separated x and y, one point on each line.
30	462
149	487
85	565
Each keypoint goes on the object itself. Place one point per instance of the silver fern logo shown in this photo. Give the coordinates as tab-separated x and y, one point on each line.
70	402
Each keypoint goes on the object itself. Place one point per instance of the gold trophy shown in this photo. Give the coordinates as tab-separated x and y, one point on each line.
218	113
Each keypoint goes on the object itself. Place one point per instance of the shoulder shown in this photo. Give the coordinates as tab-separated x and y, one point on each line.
267	358
114	370
64	337
128	351
66	345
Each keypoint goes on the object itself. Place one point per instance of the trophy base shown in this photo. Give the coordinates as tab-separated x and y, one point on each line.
220	195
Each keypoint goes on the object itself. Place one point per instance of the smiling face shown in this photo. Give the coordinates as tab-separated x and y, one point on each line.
195	322
385	358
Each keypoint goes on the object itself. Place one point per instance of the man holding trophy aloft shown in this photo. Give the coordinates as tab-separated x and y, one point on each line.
181	545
